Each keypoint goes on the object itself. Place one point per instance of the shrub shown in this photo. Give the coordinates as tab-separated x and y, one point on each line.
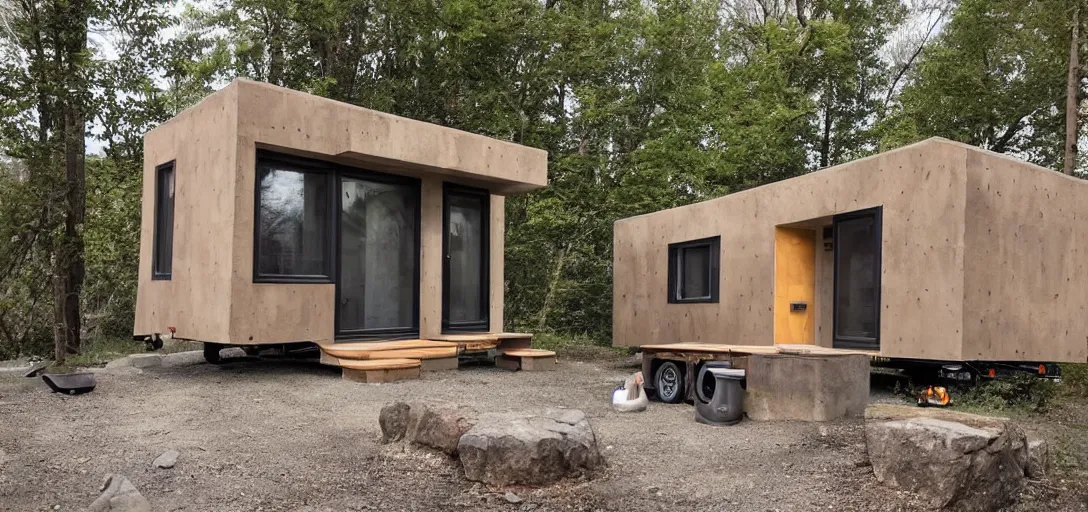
1019	391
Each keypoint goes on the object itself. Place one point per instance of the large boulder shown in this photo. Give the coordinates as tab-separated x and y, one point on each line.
393	419
534	450
949	464
438	426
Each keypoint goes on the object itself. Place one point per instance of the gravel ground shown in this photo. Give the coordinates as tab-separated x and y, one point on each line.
284	435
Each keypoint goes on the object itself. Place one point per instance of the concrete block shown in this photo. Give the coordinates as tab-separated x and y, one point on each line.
232	353
806	387
188	358
538	364
145	360
508	363
444	363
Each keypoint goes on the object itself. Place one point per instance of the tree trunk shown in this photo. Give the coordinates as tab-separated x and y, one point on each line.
1072	90
68	259
553	283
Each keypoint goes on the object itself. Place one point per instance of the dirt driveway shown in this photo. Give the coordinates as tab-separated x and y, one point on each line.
281	435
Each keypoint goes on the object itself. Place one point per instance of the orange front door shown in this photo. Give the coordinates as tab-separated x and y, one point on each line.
794	285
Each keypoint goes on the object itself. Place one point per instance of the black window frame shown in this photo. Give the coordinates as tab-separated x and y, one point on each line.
380	333
476	326
158	243
713	272
857	342
302	165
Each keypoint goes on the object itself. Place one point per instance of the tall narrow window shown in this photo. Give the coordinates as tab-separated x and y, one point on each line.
465	289
294	212
857	279
693	270
162	262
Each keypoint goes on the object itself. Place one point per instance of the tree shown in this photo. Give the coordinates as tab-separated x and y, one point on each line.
994	78
55	84
1072	94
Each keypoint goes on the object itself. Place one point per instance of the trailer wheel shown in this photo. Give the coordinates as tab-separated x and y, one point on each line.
211	352
669	382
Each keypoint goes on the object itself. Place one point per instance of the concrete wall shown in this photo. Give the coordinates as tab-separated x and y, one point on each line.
284	120
1026	274
223	133
291	119
197	299
921	188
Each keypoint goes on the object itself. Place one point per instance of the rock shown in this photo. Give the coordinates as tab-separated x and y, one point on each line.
1038	458
439	426
167	460
949	464
145	360
393	419
534	450
512	498
119	495
434	425
187	358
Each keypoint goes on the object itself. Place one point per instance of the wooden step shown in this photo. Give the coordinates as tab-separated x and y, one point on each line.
527	359
416	353
528	352
380	364
380	370
363	350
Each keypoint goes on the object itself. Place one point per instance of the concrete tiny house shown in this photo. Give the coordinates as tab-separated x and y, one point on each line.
272	216
935	251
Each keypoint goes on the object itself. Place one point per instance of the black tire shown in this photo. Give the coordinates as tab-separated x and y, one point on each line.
211	353
669	383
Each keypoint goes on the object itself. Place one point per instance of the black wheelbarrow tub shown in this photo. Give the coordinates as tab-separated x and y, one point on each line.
70	383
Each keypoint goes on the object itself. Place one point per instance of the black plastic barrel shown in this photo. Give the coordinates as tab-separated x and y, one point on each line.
726	405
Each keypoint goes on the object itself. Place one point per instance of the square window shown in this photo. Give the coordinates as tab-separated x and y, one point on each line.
693	270
162	262
293	223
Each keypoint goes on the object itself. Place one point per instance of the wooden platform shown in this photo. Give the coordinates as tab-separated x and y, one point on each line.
741	350
434	353
527	359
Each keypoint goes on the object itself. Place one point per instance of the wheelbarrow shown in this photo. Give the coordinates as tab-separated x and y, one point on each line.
70	383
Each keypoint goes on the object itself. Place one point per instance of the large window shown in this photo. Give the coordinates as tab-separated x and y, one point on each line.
693	270
162	262
378	287
294	221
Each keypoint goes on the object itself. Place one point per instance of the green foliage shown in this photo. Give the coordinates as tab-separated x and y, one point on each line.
996	79
641	106
1075	380
1019	392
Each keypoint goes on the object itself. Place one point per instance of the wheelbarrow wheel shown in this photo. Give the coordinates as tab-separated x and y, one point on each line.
669	382
211	353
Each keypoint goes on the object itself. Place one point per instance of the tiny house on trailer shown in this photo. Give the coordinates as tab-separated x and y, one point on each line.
274	217
936	251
